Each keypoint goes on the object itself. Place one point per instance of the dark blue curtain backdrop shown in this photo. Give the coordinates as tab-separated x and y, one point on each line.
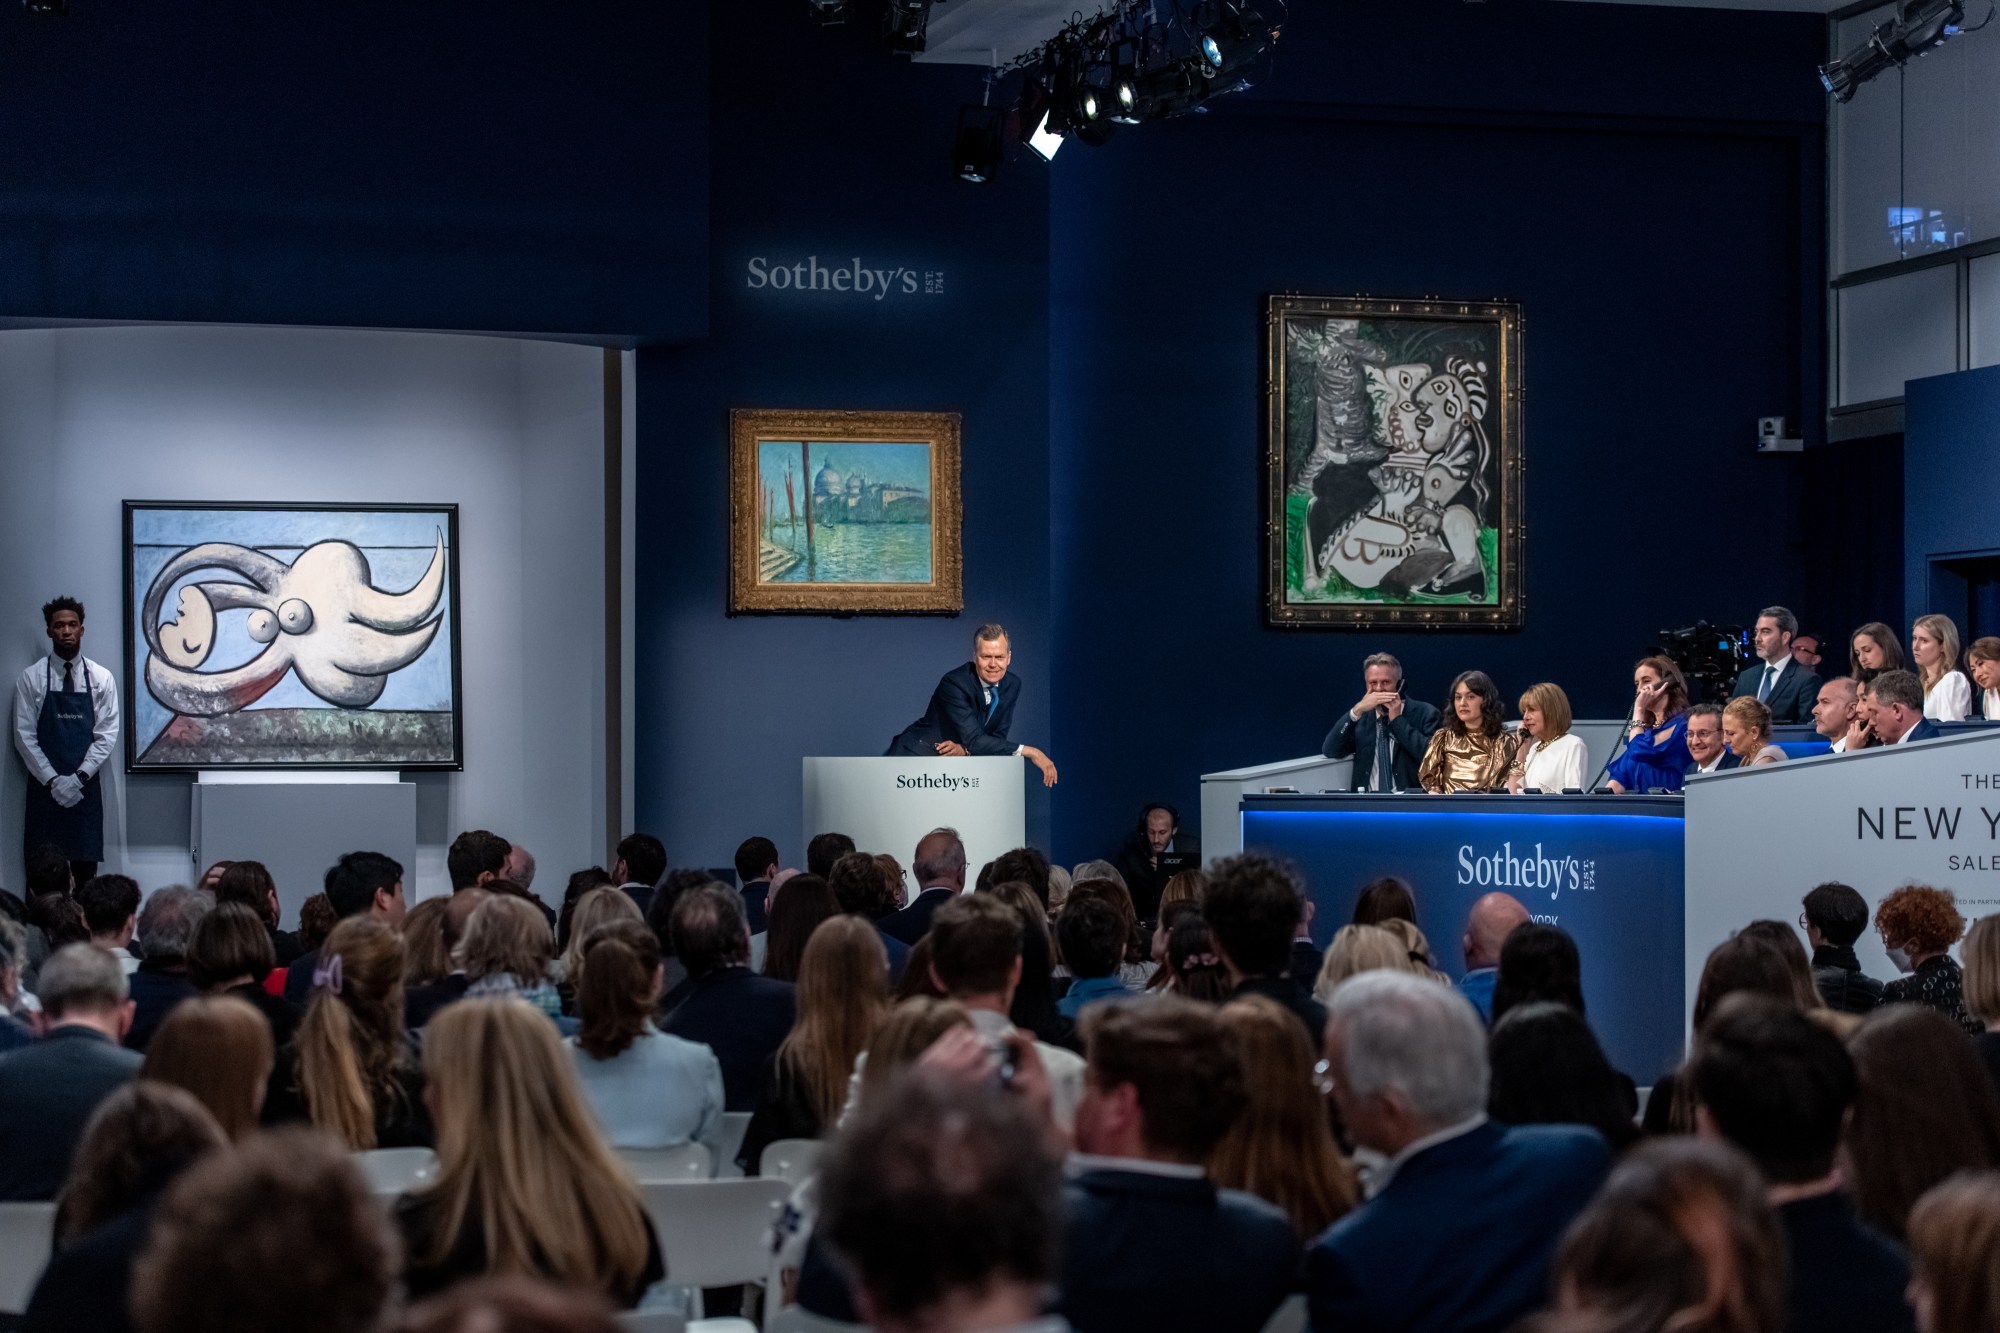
505	166
1951	433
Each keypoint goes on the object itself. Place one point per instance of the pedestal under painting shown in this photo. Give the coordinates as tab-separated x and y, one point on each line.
291	636
1395	462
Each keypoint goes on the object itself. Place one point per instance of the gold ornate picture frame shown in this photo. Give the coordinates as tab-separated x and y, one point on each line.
1394	461
838	513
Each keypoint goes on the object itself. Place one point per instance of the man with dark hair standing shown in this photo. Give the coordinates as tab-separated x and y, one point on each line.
1780	682
65	727
358	884
939	866
739	1015
1386	733
972	709
1779	1086
642	860
1834	918
756	863
1253	906
476	858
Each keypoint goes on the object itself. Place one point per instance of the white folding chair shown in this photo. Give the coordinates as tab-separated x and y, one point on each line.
734	1126
689	1161
393	1171
1289	1317
713	1232
790	1160
797	1319
27	1236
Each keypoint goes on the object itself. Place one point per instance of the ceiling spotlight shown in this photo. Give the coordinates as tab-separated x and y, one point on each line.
1916	27
1125	98
826	13
1172	89
977	148
55	8
904	24
1231	37
1045	140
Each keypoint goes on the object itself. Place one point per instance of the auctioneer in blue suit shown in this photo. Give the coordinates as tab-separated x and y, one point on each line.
961	710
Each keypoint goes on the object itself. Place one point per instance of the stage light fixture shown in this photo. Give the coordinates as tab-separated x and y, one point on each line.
904	25
826	13
979	142
1172	89
1045	140
53	8
1231	36
1916	27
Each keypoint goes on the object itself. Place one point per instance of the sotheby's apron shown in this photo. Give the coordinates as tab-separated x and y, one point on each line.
64	733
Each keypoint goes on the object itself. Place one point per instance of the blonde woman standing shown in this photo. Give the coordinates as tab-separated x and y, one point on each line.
1934	654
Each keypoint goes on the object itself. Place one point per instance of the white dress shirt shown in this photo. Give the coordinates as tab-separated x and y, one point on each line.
1840	746
1950	700
32	687
1989	705
1557	764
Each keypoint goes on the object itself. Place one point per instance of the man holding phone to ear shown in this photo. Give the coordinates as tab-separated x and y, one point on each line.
1385	733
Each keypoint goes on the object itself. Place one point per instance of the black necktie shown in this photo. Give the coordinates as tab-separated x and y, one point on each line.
69	685
1385	772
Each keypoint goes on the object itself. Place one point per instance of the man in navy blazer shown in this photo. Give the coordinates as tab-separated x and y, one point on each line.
1463	1218
739	1015
972	709
1386	733
49	1089
1788	688
1896	713
1152	1243
939	866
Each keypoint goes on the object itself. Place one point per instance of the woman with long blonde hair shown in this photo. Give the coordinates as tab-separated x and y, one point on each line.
596	909
217	1048
1934	653
526	1185
843	995
350	1070
1281	1147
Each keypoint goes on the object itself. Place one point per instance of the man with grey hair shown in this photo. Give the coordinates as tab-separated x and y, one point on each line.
972	709
166	924
1896	709
1464	1213
1385	733
49	1089
939	866
1779	682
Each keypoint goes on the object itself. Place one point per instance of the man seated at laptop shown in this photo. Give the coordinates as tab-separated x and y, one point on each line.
1154	853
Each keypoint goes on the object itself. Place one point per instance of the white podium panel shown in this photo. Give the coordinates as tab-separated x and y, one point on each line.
299	827
886	804
1759	838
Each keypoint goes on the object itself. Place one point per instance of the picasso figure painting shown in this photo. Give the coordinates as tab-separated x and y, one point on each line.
291	636
1395	462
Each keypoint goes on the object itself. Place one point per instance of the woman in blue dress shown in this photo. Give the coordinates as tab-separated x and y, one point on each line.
1656	750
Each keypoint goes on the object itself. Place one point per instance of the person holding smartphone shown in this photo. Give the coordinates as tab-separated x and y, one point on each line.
1385	733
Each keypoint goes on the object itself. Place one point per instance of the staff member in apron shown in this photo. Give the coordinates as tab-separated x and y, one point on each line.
65	727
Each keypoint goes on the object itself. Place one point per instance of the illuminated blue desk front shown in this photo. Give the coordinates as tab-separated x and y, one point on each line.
1607	869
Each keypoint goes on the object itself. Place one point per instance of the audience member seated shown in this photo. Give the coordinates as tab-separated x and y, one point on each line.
739	1015
1492	919
506	952
1251	906
1895	709
1743	963
1806	650
1551	757
1092	937
1357	949
641	865
1805	992
1196	969
1837	715
110	906
351	1070
1135	968
510	1305
795	914
1549	1070
1464	1215
824	851
597	909
1918	926
425	957
1034	1006
1306	956
580	882
1779	1086
1386	733
1706	752
1746	730
358	884
945	1202
843	996
475	859
218	1049
1656	747
1470	750
137	1142
526	1185
230	954
1779	682
1680	1239
756	862
646	1088
1925	1109
940	869
1416	950
1538	962
316	921
1030	867
1385	899
1281	1147
1982	989
49	1089
166	924
1152	1243
1955	1246
1873	649
14	1033
422	1001
1982	663
1158	833
249	883
282	1233
1088	870
1934	656
861	891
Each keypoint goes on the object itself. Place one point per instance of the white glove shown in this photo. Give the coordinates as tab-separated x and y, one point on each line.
67	789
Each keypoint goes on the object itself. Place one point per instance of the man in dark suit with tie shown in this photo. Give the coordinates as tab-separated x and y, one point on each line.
972	709
1463	1219
1780	682
739	1015
939	866
49	1089
1897	709
1386	733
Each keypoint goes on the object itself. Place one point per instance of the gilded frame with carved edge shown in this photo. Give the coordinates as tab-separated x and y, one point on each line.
751	550
1433	327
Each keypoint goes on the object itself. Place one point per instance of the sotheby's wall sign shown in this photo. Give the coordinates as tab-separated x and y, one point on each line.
846	277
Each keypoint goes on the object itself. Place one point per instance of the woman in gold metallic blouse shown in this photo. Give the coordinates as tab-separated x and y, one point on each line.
1471	751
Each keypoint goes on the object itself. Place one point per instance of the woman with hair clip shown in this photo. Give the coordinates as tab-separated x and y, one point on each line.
1656	748
1934	655
843	996
1873	649
350	1070
526	1185
1470	750
1197	967
648	1089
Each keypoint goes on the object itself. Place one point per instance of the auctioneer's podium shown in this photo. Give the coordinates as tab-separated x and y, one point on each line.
887	804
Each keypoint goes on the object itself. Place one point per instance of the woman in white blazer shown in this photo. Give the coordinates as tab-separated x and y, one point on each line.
1549	758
